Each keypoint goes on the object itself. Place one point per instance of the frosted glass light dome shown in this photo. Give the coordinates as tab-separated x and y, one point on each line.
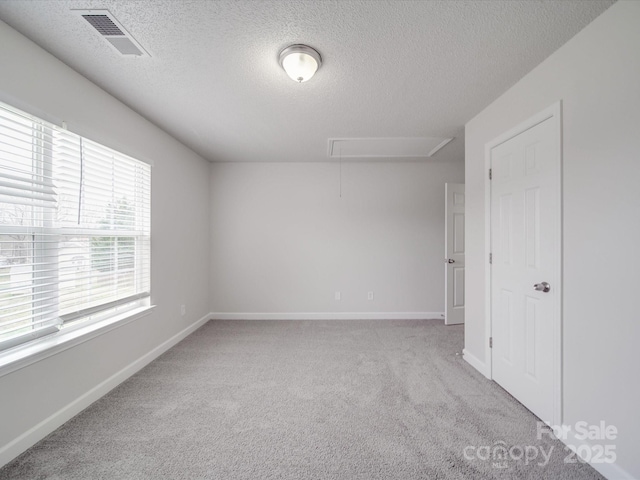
300	62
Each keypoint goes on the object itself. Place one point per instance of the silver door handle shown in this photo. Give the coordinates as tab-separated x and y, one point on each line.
542	287
449	260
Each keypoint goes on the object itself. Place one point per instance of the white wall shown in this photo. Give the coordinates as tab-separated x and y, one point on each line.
597	77
283	240
33	80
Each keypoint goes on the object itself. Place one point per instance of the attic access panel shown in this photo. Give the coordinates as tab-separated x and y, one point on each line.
398	147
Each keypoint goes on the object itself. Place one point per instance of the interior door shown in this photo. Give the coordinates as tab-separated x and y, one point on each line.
454	253
525	265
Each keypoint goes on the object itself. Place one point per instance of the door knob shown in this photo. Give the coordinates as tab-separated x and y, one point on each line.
449	260
542	287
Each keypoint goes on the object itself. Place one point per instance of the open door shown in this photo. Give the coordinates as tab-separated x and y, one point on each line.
454	253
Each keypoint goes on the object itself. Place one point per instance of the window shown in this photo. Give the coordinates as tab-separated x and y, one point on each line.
74	229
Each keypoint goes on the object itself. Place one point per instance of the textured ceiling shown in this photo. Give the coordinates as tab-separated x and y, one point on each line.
390	68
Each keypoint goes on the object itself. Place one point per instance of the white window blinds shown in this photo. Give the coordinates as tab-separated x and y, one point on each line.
74	228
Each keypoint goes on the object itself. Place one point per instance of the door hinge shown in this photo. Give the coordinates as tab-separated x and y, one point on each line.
491	258
490	173
490	342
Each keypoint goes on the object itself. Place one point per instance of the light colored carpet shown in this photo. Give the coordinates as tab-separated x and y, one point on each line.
301	400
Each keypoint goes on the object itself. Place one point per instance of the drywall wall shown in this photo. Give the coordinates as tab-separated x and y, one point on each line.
596	75
286	237
38	396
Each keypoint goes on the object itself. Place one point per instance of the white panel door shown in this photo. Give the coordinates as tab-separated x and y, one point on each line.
525	246
454	253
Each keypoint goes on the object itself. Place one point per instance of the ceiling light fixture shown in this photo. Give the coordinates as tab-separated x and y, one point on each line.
300	62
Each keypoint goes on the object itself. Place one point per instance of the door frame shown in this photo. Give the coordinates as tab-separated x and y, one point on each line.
553	112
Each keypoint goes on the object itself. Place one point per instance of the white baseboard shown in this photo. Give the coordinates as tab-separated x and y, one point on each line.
472	360
29	438
328	316
612	471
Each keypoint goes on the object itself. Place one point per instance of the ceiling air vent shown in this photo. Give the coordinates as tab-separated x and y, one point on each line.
113	32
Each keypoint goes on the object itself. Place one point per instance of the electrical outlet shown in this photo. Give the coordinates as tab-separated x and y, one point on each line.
183	310
338	296
369	295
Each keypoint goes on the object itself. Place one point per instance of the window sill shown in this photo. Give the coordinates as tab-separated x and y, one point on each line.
28	353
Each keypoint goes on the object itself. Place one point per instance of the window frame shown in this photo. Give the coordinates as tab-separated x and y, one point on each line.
86	323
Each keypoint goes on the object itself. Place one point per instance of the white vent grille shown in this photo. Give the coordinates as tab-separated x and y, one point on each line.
113	32
103	24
